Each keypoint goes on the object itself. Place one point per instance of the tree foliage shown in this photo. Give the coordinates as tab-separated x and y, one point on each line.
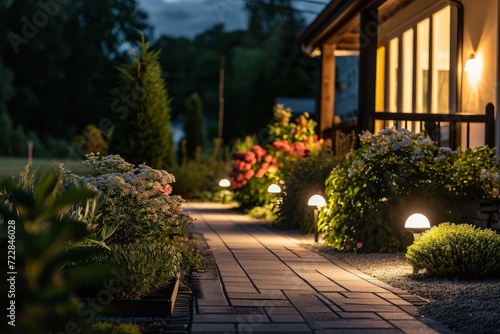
193	125
144	135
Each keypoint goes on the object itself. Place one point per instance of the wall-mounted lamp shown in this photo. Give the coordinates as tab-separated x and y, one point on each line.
316	201
416	224
471	63
473	68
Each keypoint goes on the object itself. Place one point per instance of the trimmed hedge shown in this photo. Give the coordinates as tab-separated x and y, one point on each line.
456	251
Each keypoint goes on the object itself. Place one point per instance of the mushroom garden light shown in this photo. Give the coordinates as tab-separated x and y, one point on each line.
316	201
224	184
416	224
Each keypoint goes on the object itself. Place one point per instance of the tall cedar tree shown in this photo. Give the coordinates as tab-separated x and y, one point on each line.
144	134
193	125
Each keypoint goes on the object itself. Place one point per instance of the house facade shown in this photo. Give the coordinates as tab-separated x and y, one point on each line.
426	65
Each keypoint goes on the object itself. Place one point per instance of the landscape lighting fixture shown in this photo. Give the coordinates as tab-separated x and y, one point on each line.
224	183
416	224
316	201
274	189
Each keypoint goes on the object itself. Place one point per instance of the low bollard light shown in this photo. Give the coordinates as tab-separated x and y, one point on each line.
416	224
316	201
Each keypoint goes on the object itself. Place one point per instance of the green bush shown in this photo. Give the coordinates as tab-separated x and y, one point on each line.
456	251
197	178
303	178
149	266
38	212
115	328
392	173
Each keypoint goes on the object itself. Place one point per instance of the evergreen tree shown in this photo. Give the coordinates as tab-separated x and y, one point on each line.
144	134
193	125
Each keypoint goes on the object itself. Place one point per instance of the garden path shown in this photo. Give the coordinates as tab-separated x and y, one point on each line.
265	282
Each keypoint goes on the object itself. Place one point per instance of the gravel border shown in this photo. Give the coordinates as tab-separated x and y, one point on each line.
464	306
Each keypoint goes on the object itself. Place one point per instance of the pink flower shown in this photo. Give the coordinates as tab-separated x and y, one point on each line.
268	158
359	245
249	174
260	173
249	156
347	247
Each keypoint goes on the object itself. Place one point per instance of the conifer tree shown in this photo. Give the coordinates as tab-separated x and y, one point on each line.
193	125
141	103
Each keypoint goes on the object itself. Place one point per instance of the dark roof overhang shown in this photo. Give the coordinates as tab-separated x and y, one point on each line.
339	22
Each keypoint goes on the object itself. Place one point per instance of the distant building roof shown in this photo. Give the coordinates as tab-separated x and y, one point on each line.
299	105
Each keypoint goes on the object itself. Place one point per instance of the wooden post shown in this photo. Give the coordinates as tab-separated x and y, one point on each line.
489	126
327	91
368	36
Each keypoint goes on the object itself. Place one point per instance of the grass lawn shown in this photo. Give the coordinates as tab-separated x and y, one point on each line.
10	166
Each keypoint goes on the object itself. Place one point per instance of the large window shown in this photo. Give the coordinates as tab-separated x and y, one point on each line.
415	75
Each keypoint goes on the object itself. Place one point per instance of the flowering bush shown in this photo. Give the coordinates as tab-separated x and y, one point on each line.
392	173
470	175
257	167
135	200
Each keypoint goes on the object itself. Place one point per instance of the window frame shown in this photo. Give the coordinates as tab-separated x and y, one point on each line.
409	18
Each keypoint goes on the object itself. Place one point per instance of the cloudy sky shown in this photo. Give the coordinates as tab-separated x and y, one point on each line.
191	17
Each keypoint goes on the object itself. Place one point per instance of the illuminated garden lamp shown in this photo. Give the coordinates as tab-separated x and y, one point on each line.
416	224
224	183
274	189
316	201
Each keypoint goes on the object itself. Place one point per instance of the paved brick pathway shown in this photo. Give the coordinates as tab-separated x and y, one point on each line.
268	283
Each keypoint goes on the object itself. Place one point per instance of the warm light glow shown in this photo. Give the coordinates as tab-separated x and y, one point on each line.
473	68
224	183
316	200
274	189
417	221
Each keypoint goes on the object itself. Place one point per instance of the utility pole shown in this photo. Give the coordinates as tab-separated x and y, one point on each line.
221	95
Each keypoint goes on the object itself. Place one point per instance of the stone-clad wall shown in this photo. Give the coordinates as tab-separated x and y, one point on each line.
488	215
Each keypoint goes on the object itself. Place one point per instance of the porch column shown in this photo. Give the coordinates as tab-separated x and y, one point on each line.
367	68
327	91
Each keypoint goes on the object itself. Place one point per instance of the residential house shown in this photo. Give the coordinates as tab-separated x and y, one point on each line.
426	65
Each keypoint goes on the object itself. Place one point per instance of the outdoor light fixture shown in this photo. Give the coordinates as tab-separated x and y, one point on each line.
316	201
473	68
224	183
274	189
416	224
471	63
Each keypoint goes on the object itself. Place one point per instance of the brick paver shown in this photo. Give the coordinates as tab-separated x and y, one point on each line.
268	283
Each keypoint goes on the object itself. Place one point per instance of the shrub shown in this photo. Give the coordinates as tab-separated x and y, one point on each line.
372	192
135	200
150	267
470	175
39	211
303	178
364	190
143	135
198	178
258	166
115	328
456	251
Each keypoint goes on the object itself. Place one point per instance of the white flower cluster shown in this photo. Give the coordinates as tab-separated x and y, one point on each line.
134	196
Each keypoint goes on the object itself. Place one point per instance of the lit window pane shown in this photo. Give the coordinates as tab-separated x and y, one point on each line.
380	86
441	61
407	71
393	74
422	64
